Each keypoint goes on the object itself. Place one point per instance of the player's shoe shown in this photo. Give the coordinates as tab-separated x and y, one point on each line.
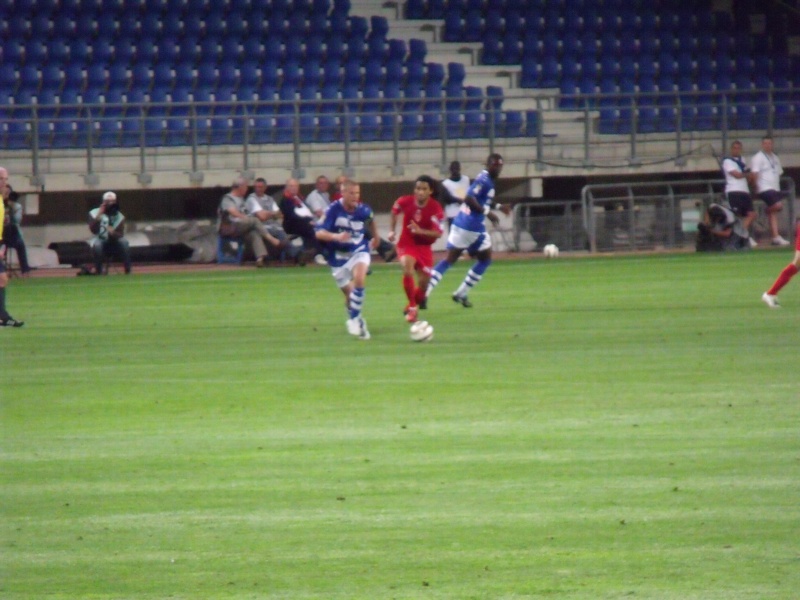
779	241
752	242
363	332
411	314
423	304
462	300
770	300
353	326
11	322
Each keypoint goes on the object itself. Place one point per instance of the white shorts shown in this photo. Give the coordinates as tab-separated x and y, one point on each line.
463	239
344	274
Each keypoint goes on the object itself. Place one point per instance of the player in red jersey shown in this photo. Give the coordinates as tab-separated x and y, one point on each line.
422	226
770	297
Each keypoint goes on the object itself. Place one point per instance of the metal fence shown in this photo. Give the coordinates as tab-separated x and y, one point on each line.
568	130
664	214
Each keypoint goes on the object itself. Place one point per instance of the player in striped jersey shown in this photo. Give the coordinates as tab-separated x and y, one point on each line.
342	232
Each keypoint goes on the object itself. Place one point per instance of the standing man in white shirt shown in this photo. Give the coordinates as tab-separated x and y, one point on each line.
457	186
737	187
767	169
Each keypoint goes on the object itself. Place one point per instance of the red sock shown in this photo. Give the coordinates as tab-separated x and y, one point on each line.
419	297
783	279
408	286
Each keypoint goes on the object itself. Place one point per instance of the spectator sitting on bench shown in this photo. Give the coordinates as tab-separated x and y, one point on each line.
233	222
262	206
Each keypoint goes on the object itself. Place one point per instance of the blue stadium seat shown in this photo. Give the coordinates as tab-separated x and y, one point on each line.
230	49
74	77
97	77
492	51
453	25
417	51
512	48
473	25
335	47
411	118
163	77
568	88
550	72
494	109
124	50
30	78
474	117
52	78
513	123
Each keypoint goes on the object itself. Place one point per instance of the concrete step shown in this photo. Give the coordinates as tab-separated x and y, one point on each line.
427	30
370	8
506	76
444	52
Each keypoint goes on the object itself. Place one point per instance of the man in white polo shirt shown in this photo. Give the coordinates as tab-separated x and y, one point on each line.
767	169
737	187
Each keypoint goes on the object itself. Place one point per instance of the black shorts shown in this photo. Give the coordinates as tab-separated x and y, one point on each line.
772	197
741	203
2	265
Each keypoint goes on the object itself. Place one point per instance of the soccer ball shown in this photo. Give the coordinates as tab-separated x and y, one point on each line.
421	331
551	251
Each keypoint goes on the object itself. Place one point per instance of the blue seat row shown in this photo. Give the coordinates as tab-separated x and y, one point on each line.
371	123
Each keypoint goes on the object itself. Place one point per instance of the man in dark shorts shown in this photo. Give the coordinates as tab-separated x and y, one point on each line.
737	187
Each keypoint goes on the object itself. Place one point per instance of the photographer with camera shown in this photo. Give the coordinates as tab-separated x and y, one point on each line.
737	188
108	225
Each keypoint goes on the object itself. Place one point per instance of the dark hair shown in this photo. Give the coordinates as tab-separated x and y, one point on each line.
494	157
427	179
261	180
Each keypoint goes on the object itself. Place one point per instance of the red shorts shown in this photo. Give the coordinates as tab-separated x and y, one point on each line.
423	256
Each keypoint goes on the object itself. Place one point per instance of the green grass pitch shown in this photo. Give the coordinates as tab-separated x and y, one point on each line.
594	428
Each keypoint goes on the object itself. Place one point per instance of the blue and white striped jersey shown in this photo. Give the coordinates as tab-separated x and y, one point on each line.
336	220
482	189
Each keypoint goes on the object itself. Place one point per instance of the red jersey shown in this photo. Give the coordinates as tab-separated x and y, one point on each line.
428	217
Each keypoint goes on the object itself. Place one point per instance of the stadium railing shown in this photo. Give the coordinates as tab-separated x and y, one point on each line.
656	215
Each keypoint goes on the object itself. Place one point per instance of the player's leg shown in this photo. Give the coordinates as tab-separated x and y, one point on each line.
770	297
441	268
360	272
6	320
772	200
458	240
407	262
483	253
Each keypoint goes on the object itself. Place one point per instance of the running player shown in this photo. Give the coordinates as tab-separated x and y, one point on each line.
770	297
468	231
342	233
422	226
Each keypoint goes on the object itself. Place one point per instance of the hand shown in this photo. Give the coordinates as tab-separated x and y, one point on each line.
390	237
343	236
493	218
414	227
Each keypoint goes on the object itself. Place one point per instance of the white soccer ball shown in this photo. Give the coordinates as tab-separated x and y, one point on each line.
550	251
421	331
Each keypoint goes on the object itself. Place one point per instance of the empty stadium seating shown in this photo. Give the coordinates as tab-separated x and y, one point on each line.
657	68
